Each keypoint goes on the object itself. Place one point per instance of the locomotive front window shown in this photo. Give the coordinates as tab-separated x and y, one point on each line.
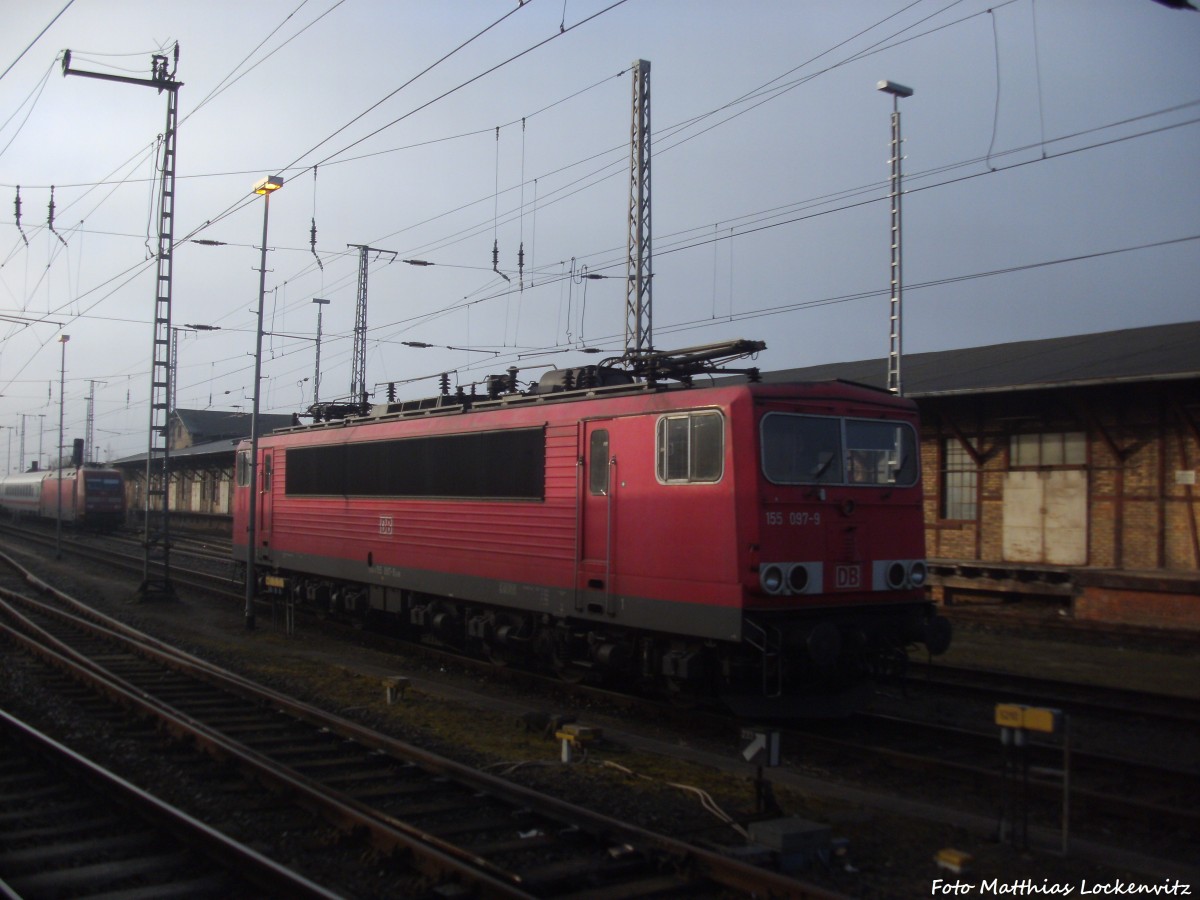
827	450
103	485
802	449
880	453
691	447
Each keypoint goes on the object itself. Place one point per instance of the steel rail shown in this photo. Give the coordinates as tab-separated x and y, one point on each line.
343	812
690	862
243	862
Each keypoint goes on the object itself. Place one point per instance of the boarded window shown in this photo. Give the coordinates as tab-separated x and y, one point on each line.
491	465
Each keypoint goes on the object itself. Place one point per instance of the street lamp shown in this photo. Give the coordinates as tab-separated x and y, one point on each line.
62	373
895	346
265	187
317	374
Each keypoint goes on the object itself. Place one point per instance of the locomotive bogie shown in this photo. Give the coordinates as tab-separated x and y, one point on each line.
685	538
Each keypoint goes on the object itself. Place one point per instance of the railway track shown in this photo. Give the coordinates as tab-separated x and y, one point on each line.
1109	794
1110	791
67	825
1074	698
449	823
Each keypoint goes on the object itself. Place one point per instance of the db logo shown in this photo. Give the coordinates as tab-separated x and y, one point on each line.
848	577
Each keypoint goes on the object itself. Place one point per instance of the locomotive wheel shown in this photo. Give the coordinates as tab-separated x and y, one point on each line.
568	673
678	695
494	655
499	652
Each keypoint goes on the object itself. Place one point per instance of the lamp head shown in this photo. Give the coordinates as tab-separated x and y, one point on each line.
269	184
891	87
63	338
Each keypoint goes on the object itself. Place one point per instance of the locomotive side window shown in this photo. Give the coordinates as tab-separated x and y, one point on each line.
598	475
243	468
826	450
691	447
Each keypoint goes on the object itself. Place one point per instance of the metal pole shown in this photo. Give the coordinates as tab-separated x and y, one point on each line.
252	537
895	346
62	373
896	337
1066	802
317	374
639	289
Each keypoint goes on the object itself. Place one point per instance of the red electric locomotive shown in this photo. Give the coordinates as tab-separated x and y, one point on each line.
761	543
92	496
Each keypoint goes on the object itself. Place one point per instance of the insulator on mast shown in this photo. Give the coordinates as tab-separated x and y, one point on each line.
312	235
496	260
312	243
17	207
50	218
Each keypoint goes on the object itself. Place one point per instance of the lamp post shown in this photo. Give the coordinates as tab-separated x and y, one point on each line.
895	345
265	187
317	374
62	373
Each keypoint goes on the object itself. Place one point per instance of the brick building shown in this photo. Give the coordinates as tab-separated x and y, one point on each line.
202	444
1063	468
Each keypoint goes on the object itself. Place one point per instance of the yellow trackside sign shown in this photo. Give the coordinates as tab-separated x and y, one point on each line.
1029	718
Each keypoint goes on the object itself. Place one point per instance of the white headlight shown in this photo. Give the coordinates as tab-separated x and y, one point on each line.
918	573
771	578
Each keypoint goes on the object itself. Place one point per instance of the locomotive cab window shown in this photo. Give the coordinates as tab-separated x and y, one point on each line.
827	450
880	453
691	447
802	449
598	475
243	468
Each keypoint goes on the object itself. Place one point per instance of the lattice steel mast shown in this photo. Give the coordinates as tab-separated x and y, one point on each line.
156	578
358	363
896	310
639	338
89	434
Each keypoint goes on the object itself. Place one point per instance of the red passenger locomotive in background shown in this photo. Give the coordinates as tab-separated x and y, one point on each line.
759	543
93	497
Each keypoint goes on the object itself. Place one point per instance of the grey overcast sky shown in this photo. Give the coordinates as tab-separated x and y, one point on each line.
1050	186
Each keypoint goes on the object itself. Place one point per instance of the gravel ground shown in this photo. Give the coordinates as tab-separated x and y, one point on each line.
887	853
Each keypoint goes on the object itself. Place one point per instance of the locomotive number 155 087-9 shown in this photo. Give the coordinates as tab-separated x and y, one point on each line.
794	518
